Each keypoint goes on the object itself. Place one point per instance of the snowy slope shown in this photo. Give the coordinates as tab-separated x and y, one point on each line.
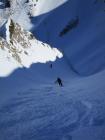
23	49
21	10
45	111
39	7
16	10
32	106
83	46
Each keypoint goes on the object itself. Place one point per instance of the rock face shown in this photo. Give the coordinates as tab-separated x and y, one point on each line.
21	49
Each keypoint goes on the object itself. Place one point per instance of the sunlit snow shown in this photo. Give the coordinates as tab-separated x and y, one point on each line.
36	52
40	7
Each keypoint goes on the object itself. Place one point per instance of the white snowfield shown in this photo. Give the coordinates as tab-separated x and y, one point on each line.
23	51
32	106
42	6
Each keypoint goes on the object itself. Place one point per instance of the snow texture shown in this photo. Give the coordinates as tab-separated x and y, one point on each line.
32	105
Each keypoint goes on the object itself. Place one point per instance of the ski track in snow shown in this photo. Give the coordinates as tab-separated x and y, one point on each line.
46	113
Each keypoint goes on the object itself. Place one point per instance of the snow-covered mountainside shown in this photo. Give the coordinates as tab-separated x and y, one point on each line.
42	97
82	25
21	10
21	49
18	10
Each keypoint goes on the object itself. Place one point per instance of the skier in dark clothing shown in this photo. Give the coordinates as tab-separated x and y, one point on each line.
50	65
59	81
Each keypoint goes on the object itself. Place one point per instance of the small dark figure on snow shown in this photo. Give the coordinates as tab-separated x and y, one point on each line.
59	81
50	65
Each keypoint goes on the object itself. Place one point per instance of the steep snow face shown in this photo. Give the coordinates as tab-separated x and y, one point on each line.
22	49
32	107
21	10
82	24
38	7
